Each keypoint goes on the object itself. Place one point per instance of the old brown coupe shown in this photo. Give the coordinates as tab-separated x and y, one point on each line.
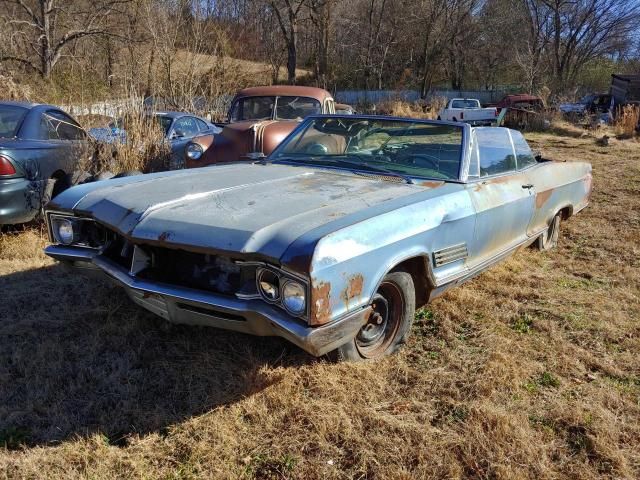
258	120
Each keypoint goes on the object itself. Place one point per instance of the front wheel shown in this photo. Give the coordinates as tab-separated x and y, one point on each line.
392	311
549	239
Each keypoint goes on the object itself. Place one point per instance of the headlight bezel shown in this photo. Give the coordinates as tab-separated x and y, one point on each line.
196	149
288	283
284	279
87	233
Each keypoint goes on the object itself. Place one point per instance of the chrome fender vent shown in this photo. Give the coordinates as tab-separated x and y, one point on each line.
450	254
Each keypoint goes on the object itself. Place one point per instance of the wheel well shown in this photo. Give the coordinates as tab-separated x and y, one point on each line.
418	268
58	175
566	212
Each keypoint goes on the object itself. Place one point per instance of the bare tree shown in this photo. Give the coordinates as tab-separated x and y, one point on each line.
579	31
45	28
288	14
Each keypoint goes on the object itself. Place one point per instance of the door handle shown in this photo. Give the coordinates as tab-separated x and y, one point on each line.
528	186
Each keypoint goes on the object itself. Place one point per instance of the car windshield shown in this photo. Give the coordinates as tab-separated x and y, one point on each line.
396	147
278	108
10	119
465	104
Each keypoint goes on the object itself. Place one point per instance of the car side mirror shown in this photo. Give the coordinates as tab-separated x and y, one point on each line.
537	154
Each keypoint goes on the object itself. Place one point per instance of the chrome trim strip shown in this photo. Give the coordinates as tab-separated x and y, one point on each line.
450	254
262	318
470	272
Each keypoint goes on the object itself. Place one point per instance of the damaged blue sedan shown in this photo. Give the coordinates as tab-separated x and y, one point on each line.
332	241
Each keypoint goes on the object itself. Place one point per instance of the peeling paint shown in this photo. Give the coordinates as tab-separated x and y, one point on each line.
164	236
320	304
354	287
431	184
543	197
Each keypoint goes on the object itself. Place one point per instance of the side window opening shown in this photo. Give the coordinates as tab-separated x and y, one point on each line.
524	155
59	126
495	151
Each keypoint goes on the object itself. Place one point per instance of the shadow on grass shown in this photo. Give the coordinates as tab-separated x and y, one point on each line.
77	357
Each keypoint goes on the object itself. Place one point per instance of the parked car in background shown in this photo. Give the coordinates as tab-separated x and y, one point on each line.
344	109
40	148
258	120
331	242
468	110
520	110
179	128
531	103
588	105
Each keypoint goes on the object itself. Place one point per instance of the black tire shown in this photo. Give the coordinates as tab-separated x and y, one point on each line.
455	119
394	307
549	239
129	173
53	187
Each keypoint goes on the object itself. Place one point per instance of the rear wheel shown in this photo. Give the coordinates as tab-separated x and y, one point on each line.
549	239
392	310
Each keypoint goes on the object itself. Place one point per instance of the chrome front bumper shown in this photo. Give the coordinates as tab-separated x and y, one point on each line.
184	305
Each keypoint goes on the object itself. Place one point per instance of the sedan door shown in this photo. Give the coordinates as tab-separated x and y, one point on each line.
501	195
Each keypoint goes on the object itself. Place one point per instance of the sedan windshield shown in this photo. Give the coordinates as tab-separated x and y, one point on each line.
276	108
10	119
400	148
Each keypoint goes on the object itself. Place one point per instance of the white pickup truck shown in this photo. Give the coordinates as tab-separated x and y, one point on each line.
468	110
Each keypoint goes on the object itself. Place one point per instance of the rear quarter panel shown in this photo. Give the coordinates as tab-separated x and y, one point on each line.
558	185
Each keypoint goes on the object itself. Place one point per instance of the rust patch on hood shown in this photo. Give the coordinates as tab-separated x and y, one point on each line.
320	304
543	197
432	184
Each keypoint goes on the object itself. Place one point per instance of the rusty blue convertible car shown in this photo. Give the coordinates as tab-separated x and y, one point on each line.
333	240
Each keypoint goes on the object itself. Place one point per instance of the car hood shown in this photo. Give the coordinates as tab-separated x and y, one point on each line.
247	208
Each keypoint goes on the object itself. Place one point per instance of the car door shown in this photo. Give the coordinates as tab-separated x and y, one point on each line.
502	196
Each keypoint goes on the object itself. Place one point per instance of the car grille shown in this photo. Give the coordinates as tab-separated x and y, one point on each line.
212	273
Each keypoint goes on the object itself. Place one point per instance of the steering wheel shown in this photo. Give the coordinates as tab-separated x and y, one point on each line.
432	160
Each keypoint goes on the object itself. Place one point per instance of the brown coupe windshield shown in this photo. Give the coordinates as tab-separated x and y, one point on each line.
274	108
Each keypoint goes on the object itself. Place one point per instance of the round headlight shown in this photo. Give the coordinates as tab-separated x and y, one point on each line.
293	298
269	285
63	230
194	151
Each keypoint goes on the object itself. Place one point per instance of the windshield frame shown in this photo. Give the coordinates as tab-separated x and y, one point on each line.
464	146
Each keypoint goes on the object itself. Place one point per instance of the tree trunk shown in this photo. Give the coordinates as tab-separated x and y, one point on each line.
45	39
292	54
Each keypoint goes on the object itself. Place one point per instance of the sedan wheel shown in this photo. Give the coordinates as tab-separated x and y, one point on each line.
549	239
387	328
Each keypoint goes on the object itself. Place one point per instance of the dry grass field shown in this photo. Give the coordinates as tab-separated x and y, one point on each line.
532	370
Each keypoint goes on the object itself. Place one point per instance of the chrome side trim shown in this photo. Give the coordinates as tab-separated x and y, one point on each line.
485	264
450	254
